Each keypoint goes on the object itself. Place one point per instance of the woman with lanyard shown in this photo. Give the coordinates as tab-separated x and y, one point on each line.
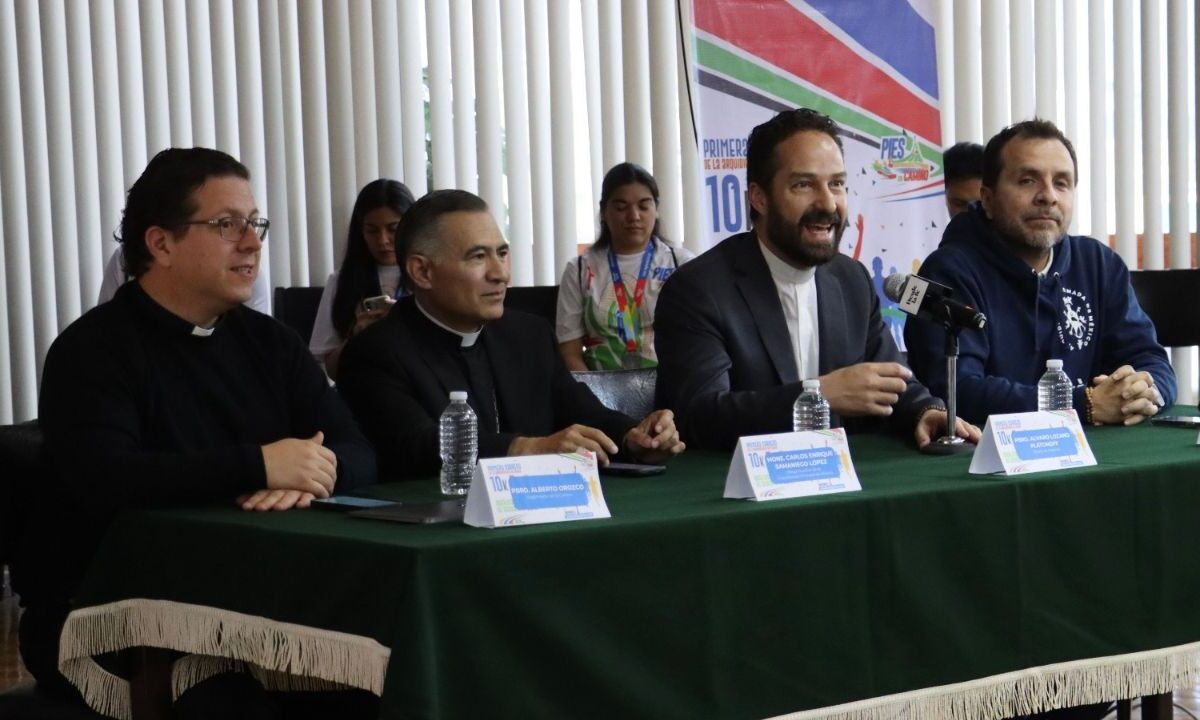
607	295
368	283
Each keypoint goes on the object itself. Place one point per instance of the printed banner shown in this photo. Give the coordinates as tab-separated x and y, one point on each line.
872	67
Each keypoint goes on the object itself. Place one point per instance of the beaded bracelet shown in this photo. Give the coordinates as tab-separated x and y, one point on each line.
1088	412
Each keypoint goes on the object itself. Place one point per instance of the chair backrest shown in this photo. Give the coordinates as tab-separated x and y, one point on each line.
20	458
539	300
296	307
627	391
1171	299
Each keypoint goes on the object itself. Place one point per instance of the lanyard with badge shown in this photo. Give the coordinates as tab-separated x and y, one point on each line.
630	359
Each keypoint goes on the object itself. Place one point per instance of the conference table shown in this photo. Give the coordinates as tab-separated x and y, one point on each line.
931	593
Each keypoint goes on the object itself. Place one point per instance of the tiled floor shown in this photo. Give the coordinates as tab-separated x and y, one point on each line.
1187	702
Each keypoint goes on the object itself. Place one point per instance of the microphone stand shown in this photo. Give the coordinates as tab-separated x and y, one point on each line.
950	443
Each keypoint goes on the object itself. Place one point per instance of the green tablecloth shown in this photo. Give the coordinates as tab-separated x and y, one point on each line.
687	605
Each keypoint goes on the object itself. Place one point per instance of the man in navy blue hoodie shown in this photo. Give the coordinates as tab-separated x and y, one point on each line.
1046	294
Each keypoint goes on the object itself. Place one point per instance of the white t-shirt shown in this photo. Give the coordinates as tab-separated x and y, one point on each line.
115	277
325	338
587	303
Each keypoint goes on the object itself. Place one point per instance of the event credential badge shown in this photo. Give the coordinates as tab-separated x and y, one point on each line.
535	489
770	467
1019	443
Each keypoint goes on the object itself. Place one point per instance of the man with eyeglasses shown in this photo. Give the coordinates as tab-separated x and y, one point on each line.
114	276
174	393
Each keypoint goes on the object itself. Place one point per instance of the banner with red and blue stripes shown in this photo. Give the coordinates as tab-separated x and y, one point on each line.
872	67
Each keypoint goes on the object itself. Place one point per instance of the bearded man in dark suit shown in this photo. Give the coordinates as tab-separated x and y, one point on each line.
739	328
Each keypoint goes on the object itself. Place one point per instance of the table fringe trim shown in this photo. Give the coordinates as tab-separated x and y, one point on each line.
283	656
1068	684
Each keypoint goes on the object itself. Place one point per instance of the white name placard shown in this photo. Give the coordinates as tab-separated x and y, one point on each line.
535	489
1020	443
771	467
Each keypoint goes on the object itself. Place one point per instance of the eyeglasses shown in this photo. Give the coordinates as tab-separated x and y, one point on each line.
233	229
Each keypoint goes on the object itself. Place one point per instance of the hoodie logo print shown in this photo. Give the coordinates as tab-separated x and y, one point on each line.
1078	323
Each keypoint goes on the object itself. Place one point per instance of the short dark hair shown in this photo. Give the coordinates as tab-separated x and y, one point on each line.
162	197
963	161
358	277
761	163
419	225
619	176
1035	129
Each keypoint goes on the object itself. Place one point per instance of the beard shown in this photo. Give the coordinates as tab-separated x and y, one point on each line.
788	238
1012	231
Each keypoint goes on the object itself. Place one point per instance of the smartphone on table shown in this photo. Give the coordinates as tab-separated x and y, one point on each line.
1188	421
346	503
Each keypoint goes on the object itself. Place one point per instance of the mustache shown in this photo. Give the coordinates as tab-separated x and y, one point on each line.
821	217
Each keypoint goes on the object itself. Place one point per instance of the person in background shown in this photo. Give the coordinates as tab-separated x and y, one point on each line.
963	167
607	295
369	270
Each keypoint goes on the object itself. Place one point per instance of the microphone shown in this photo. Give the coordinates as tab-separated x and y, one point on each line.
930	300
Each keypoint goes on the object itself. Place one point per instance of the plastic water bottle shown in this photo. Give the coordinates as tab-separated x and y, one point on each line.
1055	391
459	444
811	411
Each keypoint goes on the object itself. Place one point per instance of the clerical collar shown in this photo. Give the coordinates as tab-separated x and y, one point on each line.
783	272
468	339
163	317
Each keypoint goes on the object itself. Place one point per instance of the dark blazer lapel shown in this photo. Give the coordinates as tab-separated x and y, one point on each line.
754	281
831	320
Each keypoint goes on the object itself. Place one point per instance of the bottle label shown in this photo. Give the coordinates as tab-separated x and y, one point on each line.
770	467
534	489
1019	443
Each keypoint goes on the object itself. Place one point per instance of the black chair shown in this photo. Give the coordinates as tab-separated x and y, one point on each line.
296	307
20	456
1171	299
627	391
541	300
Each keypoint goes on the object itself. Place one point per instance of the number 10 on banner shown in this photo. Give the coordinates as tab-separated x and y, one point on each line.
727	201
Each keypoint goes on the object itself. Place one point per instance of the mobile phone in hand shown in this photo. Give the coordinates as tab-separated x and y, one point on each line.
379	302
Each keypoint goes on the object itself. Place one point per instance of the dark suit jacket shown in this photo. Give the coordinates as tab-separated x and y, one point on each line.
725	357
397	376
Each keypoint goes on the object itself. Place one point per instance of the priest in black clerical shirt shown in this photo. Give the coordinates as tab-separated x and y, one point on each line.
453	333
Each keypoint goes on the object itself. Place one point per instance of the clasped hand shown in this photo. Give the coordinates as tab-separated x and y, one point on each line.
652	440
1126	396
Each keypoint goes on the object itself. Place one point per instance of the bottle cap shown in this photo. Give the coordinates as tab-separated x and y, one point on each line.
458	395
1054	364
814	384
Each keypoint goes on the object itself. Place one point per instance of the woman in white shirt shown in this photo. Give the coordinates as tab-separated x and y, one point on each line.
607	295
369	271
